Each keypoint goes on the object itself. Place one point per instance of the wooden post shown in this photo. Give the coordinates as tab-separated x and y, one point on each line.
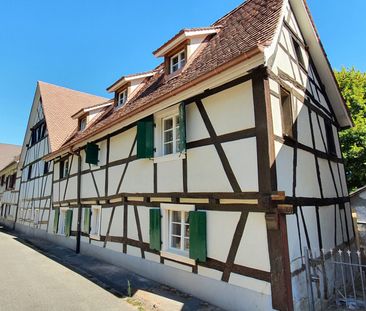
80	209
267	181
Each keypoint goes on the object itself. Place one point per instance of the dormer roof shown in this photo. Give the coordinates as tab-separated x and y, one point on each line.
183	35
125	79
90	109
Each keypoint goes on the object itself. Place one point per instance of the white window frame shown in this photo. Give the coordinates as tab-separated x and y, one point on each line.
95	222
83	124
159	155
181	61
61	221
166	250
66	168
121	98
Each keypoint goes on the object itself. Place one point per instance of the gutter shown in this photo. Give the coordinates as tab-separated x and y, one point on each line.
245	56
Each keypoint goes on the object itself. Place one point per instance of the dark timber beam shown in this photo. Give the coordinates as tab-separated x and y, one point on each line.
267	181
80	208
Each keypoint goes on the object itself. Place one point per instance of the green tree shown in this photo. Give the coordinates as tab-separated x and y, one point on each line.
352	83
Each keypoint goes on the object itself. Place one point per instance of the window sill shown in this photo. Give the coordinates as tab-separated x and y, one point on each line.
95	237
170	157
177	257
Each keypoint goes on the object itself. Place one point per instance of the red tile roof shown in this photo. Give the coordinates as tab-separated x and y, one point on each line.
243	32
59	104
8	154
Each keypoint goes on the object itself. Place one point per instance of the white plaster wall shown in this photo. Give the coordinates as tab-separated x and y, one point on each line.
114	176
307	182
284	167
253	248
120	145
276	115
293	243
218	244
303	126
234	104
244	167
170	176
195	128
117	223
139	177
205	171
132	227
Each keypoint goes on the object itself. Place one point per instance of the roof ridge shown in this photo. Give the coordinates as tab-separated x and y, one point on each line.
230	13
69	89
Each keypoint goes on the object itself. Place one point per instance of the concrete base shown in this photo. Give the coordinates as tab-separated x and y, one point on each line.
221	294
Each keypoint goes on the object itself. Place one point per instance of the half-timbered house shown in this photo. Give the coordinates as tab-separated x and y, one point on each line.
211	172
9	157
49	125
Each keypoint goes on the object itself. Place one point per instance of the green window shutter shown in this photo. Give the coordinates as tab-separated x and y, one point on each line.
92	153
87	215
182	127
145	138
155	229
197	236
68	222
55	220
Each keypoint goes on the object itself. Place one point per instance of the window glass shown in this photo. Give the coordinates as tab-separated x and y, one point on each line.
179	230
122	98
177	61
82	124
171	135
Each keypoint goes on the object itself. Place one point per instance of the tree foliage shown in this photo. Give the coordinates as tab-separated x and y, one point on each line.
353	141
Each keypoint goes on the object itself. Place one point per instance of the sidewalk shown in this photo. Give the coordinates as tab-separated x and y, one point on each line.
139	292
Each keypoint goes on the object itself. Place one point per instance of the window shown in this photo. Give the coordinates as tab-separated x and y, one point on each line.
176	230
62	220
46	168
82	124
298	52
2	180
170	135
177	61
330	139
29	172
38	132
95	225
64	168
11	181
122	98
287	116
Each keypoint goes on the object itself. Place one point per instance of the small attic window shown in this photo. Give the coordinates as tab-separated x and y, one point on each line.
121	98
298	52
177	61
82	124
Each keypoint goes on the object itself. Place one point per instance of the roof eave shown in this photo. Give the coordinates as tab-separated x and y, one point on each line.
243	57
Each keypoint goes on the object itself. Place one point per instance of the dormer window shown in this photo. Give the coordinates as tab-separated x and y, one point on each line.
82	124
177	61
121	99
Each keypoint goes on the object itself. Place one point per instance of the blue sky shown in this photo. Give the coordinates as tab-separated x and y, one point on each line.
88	44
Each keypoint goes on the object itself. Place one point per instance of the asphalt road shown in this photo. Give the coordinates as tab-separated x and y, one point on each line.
32	281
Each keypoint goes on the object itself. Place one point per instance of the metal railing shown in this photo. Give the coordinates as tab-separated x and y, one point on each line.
341	275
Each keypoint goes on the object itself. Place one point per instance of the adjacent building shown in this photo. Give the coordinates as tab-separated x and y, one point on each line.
9	157
211	172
